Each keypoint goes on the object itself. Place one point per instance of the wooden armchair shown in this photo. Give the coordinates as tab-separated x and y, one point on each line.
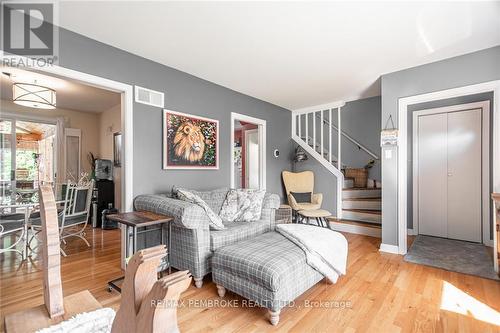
301	182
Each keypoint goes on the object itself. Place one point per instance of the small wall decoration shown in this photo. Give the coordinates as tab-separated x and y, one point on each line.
389	136
117	149
189	141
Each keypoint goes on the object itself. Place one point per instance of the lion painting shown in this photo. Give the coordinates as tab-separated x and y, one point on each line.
189	142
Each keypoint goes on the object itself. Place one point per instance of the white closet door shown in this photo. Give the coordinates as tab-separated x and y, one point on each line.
464	175
432	171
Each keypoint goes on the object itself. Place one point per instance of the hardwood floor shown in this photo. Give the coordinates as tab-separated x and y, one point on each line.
380	293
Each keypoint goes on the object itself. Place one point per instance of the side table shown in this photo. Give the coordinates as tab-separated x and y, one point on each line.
132	222
283	214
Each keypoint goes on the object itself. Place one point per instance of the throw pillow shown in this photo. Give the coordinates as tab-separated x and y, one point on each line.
242	205
214	198
302	197
215	220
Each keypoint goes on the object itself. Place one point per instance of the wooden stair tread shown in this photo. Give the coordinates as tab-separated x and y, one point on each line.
366	211
363	199
362	189
358	223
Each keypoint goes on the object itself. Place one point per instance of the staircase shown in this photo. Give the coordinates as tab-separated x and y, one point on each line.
359	209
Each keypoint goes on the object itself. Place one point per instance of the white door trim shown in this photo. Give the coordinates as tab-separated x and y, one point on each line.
127	103
485	164
261	123
491	86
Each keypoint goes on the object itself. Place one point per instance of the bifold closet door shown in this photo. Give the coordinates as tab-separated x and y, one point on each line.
449	175
464	175
432	171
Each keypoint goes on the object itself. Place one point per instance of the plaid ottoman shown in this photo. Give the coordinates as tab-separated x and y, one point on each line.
267	269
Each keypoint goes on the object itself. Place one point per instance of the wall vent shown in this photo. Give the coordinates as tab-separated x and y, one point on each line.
149	97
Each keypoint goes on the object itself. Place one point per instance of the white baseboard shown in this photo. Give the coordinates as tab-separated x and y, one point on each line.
488	242
389	248
412	232
356	229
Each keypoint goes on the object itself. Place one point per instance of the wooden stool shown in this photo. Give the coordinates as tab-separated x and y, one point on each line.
319	215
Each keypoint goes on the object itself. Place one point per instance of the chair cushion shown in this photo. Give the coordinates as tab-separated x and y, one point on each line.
302	197
237	231
315	213
307	206
36	220
12	217
11	225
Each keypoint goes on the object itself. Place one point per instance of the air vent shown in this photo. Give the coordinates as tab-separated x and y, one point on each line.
149	97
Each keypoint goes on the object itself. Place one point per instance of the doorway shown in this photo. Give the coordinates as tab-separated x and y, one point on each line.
451	172
248	147
28	159
125	94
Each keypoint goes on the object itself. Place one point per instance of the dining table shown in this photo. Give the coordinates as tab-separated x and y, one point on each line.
13	210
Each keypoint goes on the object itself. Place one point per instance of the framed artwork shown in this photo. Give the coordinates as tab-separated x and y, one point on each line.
189	141
117	149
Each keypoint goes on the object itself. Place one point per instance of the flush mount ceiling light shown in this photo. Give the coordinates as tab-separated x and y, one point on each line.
33	96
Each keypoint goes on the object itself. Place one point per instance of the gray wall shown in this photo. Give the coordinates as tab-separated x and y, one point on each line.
438	104
455	72
184	93
361	120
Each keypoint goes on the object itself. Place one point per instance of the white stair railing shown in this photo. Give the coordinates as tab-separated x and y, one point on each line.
300	115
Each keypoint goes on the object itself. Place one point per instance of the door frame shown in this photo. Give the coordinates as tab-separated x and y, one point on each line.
485	162
261	126
403	103
127	110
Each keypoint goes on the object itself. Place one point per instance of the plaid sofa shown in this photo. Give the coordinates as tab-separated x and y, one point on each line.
193	242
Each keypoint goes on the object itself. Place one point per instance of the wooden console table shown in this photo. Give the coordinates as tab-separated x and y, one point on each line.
132	222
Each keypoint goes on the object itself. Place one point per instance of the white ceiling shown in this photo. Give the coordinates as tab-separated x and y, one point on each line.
70	95
293	54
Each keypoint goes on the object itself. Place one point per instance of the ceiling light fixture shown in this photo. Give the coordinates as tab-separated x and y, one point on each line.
33	96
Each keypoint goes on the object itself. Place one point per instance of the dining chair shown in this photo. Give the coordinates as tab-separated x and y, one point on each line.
74	216
12	225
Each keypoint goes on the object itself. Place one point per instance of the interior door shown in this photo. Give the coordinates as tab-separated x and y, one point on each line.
464	175
432	175
252	159
449	175
72	148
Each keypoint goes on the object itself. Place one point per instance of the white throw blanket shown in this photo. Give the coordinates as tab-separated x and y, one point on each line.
326	250
98	321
